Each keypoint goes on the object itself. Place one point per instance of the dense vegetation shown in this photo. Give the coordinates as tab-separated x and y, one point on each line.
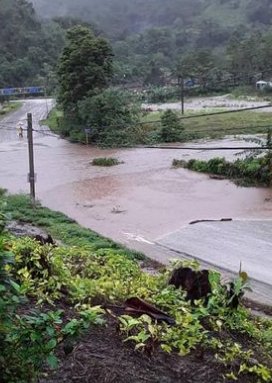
249	172
84	71
212	40
153	42
29	48
63	284
253	170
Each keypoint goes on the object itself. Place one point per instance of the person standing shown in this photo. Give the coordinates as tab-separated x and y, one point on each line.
20	131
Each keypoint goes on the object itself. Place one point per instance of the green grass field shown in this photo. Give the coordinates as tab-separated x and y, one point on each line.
52	120
9	107
222	124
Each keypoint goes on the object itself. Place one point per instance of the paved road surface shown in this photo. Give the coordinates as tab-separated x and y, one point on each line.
228	244
39	109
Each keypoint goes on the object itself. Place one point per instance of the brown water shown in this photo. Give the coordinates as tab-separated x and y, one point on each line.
139	200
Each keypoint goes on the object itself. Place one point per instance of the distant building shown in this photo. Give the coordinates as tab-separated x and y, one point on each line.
261	85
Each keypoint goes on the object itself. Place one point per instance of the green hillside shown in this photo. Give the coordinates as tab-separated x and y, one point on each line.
150	38
117	17
29	48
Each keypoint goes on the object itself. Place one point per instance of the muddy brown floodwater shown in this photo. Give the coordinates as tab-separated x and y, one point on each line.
137	201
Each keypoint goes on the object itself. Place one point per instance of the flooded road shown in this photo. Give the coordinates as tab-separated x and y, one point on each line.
143	203
139	200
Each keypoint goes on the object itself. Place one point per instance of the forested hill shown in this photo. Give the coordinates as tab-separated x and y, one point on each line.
206	39
210	40
29	48
118	18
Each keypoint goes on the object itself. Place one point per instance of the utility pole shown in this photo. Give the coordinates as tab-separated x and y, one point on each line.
87	133
46	101
181	83
31	174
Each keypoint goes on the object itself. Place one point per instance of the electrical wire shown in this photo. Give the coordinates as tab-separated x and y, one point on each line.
46	134
205	148
15	122
154	122
178	147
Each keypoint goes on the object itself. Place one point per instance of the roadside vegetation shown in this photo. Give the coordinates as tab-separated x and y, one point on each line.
255	169
248	172
57	301
9	107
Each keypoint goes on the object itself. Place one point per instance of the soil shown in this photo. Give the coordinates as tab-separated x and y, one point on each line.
102	357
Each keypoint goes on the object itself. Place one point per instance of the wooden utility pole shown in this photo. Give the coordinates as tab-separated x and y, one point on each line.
181	82
87	133
31	174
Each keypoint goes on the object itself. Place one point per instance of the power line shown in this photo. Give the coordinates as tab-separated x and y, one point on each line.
209	130
204	148
178	147
198	115
212	114
226	112
49	133
46	134
185	117
14	122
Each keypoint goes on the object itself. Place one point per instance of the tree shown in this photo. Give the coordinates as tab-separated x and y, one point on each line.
85	67
172	129
198	65
110	115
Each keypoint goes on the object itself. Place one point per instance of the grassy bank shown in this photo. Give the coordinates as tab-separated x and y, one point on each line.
247	172
63	285
52	120
60	226
221	125
216	126
9	107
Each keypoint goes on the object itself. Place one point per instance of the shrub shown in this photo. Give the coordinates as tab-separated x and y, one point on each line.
105	161
172	129
250	171
109	114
